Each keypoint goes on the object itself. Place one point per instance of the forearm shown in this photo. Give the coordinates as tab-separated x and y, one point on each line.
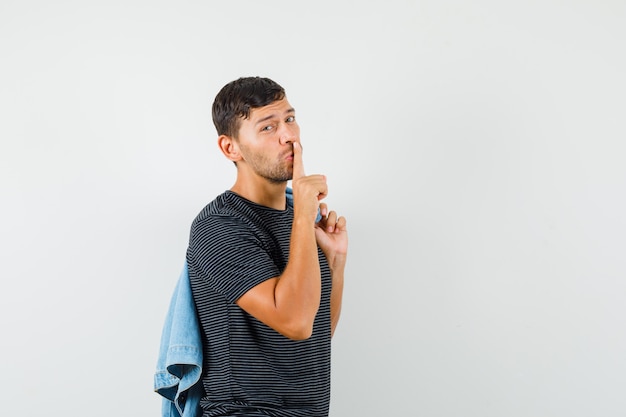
334	243
336	297
298	290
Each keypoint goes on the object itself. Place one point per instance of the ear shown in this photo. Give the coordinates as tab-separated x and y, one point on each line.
229	147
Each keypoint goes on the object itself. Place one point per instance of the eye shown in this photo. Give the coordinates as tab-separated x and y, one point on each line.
291	119
267	128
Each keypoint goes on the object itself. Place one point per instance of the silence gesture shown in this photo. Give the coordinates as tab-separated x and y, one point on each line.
308	190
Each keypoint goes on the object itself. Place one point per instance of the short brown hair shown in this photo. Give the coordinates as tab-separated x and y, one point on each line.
238	97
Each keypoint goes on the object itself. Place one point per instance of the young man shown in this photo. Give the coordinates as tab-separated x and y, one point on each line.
266	272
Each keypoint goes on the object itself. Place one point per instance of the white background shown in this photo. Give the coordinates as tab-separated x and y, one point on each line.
476	148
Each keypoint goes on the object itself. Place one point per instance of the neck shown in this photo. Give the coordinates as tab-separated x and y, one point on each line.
262	192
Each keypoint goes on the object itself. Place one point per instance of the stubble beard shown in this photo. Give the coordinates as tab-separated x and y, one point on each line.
274	172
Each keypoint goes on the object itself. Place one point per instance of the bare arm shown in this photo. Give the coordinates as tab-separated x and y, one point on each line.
332	237
336	296
289	303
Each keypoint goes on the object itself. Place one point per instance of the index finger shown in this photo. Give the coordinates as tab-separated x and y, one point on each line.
298	166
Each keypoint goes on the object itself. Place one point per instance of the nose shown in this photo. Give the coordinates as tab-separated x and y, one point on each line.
288	134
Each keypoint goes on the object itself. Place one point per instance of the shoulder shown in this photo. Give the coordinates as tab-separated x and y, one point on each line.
227	214
224	205
221	210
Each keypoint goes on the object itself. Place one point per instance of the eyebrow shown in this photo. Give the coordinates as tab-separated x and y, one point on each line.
271	116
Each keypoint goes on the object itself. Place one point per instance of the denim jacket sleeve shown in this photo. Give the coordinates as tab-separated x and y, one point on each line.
179	364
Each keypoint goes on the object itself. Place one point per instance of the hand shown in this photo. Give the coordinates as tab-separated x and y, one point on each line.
308	190
331	234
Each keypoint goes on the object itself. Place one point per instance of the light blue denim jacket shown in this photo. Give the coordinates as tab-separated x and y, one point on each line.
179	365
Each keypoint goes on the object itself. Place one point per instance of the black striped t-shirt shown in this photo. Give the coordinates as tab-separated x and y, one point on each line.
250	369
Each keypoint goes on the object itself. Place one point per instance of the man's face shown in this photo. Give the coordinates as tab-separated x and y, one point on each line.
265	141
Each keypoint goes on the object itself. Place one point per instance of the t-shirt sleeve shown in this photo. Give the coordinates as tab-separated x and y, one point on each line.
229	258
